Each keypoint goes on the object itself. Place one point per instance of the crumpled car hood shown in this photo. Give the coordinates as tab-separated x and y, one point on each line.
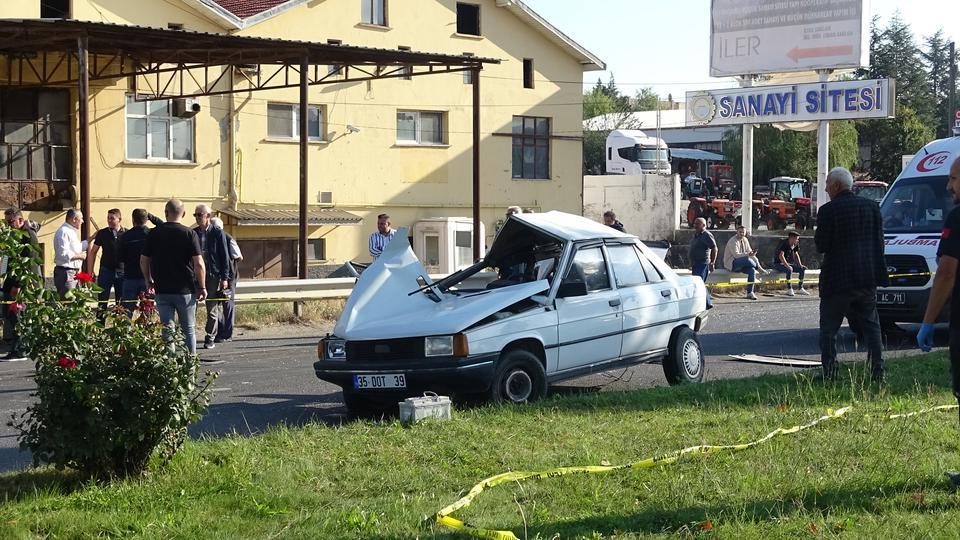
381	307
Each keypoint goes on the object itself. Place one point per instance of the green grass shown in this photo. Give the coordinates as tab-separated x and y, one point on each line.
255	316
859	477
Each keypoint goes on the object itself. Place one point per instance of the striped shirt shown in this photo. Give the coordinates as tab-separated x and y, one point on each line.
378	241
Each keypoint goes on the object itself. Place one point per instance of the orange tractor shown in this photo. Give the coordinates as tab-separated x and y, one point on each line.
719	213
789	202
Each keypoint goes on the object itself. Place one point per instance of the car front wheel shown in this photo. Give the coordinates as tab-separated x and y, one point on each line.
684	362
519	378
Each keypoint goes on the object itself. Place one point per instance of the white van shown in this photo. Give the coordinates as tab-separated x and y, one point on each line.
914	212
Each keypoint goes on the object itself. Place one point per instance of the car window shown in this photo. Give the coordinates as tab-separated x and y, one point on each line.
589	267
648	268
626	266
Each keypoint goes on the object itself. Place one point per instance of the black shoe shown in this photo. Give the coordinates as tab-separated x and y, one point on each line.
953	478
829	373
223	340
13	356
878	377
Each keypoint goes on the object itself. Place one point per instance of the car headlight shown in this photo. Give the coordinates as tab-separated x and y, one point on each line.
438	346
446	346
334	349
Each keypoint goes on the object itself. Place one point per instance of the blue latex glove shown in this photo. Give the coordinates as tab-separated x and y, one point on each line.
925	337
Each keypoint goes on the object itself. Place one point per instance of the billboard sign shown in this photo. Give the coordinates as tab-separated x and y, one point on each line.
760	36
837	100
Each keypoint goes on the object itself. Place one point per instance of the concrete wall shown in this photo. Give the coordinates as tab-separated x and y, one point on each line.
765	243
647	205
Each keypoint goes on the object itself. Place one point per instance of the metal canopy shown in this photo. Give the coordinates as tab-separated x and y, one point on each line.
268	215
177	63
165	64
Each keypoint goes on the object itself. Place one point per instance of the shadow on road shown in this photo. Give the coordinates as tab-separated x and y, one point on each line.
268	410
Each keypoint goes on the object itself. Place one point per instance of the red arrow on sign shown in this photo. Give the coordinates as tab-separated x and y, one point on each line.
797	53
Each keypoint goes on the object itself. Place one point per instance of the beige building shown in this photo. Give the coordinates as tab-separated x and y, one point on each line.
401	146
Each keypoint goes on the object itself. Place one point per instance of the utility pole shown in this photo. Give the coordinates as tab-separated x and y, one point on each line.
952	117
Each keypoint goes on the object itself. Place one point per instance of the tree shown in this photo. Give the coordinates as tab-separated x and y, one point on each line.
888	140
617	111
894	54
790	153
646	100
936	56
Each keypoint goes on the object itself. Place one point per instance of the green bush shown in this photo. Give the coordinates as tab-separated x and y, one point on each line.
111	393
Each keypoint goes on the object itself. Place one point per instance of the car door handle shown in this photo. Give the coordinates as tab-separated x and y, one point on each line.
666	293
614	303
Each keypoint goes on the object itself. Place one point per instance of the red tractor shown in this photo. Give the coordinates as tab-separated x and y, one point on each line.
722	177
789	202
719	213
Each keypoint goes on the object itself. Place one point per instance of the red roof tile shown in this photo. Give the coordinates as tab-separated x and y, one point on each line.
247	8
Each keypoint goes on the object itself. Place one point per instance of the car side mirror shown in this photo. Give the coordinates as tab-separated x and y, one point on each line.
571	289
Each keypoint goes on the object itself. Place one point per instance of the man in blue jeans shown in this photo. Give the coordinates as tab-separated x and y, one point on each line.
172	265
703	253
739	256
787	260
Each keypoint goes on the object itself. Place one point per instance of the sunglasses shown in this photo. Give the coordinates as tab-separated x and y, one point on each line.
199	215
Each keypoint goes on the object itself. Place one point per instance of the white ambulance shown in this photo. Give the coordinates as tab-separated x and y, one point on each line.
914	212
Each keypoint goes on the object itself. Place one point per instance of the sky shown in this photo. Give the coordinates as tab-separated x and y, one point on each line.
665	44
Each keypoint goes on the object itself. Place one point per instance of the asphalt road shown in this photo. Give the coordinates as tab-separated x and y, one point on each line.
267	376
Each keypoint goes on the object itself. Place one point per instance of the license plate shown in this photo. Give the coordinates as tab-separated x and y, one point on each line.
895	298
376	382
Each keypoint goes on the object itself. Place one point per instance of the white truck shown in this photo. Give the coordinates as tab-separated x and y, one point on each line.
914	212
631	151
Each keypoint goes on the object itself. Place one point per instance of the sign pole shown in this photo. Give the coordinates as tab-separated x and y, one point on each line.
746	192
823	151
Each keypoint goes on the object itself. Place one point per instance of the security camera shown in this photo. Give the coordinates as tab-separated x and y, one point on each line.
352	129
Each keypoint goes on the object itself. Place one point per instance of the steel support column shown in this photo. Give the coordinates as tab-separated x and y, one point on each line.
746	216
823	152
477	247
304	116
83	126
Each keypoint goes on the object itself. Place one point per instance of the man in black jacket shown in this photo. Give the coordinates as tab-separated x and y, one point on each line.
129	248
850	235
216	257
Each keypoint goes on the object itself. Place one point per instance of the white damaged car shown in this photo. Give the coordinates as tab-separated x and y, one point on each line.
573	297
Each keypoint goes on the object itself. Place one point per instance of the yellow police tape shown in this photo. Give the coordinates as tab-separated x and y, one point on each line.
783	281
444	517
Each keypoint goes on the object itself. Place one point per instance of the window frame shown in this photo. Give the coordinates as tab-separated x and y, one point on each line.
418	129
523	138
476	7
606	267
295	124
372	4
528	74
170	118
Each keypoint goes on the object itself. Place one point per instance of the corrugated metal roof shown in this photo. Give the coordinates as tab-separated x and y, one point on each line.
291	216
693	153
161	45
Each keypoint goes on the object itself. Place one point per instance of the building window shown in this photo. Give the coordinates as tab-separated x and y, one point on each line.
406	73
154	133
528	72
468	75
420	127
374	12
283	122
317	249
468	19
531	147
334	69
54	9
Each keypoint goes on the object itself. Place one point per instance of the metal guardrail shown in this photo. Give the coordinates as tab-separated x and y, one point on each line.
265	291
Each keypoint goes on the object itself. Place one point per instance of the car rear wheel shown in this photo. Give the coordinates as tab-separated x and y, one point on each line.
684	362
519	378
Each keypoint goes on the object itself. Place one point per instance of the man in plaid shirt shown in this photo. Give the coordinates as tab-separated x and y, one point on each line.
850	235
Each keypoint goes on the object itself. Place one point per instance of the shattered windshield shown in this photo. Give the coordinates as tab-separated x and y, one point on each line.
917	205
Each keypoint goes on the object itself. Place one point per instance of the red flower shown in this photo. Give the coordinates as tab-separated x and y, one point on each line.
84	277
16	307
66	362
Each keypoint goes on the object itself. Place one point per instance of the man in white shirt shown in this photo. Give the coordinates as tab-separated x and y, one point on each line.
382	237
68	252
738	256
